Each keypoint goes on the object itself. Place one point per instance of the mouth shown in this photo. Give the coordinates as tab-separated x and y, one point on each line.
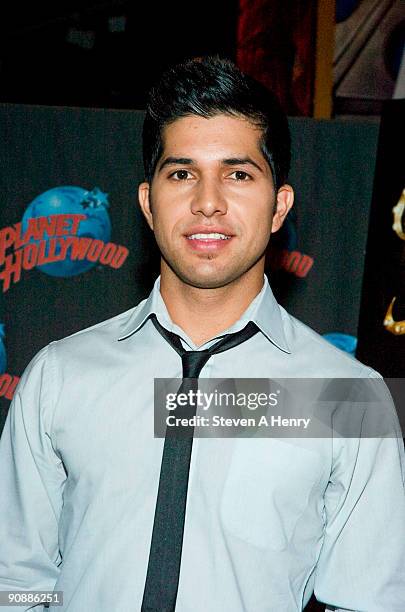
209	237
208	241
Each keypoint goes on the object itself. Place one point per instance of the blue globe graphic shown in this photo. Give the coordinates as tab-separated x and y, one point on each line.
71	200
3	358
345	342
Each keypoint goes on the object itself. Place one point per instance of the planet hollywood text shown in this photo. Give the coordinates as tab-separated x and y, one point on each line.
50	239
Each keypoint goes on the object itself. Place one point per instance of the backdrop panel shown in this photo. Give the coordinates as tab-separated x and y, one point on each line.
68	180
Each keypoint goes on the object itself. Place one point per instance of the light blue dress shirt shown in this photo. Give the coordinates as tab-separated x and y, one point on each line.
268	521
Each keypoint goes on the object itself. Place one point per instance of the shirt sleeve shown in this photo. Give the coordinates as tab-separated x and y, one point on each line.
361	566
31	483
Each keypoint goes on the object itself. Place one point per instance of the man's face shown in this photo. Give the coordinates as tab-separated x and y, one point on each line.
212	199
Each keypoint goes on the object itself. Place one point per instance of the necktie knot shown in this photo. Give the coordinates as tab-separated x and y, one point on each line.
193	362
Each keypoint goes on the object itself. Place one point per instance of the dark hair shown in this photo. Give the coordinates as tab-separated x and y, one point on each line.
208	87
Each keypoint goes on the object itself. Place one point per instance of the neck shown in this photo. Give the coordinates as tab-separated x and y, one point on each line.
204	313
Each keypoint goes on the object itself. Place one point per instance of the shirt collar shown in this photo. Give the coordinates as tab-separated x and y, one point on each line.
263	310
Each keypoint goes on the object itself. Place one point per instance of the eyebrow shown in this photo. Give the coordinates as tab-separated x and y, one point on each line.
230	161
241	161
175	161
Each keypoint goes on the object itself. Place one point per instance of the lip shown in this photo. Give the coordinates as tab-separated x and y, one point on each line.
211	244
208	229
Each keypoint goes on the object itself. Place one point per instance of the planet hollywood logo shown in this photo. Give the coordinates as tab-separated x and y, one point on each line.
64	231
294	262
8	384
284	255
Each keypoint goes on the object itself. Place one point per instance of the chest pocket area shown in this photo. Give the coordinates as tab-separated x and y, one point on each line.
270	486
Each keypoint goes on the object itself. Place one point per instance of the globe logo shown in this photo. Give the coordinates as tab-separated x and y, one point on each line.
74	201
345	342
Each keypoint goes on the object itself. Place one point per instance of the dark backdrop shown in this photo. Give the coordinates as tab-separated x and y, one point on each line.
381	346
44	147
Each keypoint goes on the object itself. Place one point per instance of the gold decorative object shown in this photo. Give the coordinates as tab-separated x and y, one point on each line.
394	327
398	212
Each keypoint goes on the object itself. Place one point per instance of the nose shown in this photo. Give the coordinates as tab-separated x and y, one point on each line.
208	198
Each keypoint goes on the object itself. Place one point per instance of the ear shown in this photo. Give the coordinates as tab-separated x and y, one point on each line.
285	199
144	202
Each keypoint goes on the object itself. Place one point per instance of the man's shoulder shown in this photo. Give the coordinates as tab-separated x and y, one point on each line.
90	354
318	356
96	336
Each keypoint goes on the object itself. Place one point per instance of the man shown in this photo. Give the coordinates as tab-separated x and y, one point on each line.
93	504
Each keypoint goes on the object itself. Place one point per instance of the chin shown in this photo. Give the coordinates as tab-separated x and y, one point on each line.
211	275
213	279
206	283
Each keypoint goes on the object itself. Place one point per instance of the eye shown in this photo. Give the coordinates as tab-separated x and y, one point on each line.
241	175
181	175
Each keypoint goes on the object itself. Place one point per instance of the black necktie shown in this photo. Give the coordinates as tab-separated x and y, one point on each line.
162	578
